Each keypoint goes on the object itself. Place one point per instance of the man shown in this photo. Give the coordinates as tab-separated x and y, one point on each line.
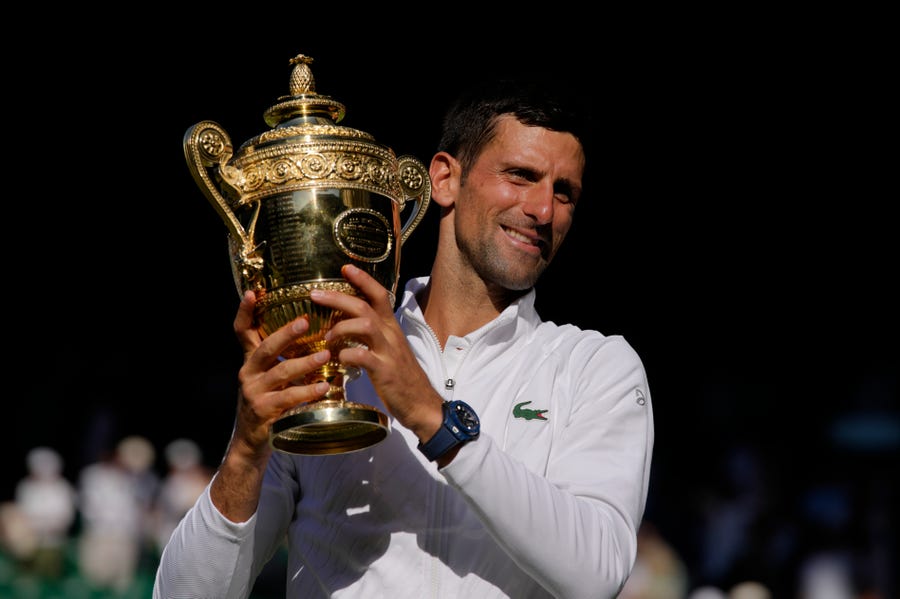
544	502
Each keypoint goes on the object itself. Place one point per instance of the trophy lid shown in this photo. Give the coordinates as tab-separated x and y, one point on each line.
305	148
307	116
304	105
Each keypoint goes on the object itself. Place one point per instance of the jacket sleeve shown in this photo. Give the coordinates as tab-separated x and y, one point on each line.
574	526
210	556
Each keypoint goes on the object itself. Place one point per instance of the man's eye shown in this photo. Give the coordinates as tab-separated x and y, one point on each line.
525	175
565	194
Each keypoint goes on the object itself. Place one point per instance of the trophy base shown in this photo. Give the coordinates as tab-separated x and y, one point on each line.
329	427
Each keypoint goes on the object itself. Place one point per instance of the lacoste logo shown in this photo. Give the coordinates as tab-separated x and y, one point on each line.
528	413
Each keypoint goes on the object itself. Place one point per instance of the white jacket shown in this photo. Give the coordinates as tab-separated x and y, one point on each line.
546	506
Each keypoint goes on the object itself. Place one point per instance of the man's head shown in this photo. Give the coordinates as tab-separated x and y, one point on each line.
507	176
470	121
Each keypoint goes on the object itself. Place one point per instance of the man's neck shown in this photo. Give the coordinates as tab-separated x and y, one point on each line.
454	307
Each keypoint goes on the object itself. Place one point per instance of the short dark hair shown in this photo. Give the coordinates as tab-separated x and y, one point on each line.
470	121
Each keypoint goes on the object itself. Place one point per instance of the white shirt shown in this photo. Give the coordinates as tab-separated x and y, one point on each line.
541	507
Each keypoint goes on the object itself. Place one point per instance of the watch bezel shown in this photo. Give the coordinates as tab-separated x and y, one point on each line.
460	412
460	425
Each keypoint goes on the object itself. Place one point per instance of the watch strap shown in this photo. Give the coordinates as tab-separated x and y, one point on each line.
451	434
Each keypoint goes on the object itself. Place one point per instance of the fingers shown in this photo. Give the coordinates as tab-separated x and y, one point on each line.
377	296
275	345
284	392
264	352
269	384
293	371
244	327
263	357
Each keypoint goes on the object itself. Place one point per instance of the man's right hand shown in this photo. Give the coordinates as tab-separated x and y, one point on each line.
267	389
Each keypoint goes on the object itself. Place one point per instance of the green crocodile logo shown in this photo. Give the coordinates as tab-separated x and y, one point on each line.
528	413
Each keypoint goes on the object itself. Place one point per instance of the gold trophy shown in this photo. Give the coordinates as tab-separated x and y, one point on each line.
299	201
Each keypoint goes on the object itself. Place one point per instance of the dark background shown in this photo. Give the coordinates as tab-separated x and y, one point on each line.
740	234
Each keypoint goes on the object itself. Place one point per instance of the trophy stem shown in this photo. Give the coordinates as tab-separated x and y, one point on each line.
332	424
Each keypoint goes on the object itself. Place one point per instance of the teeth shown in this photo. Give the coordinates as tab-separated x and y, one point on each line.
518	236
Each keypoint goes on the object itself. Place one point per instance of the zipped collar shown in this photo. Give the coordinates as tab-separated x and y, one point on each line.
520	311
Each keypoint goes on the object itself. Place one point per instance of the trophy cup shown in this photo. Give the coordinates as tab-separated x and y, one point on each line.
299	201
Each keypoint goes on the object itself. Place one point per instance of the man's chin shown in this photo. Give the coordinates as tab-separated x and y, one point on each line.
521	281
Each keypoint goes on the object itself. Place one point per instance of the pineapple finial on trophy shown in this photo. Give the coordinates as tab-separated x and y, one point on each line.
303	105
302	80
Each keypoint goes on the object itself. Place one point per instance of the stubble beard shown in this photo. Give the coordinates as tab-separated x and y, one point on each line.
493	267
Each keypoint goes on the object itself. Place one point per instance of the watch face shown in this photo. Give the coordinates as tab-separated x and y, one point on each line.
467	417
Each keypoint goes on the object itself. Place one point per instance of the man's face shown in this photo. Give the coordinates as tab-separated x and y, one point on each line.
516	204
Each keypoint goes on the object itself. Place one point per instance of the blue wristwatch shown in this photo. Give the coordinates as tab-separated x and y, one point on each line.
460	424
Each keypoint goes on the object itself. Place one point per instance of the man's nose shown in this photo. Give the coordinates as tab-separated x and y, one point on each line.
538	203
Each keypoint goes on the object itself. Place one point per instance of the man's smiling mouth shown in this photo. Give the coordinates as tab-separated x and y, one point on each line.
535	241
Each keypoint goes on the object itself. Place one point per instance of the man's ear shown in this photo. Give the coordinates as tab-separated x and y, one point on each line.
444	173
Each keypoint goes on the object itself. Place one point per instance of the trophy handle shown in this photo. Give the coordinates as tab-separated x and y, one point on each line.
416	185
207	147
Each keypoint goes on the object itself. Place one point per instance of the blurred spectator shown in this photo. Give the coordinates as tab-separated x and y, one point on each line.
114	500
16	537
750	590
186	479
46	510
743	590
138	456
826	576
659	572
707	592
733	514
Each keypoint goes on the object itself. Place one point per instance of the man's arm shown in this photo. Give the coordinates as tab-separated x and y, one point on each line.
211	552
206	556
575	529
